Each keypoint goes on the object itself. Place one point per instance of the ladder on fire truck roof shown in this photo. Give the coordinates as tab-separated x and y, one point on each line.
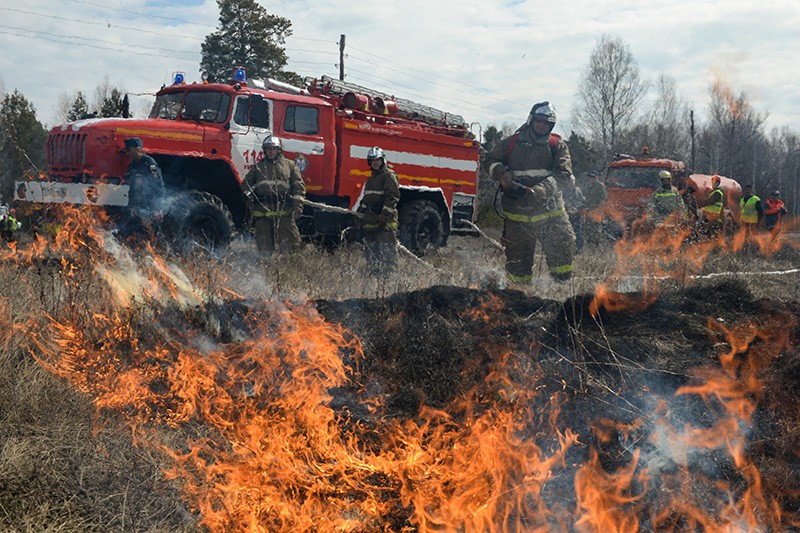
405	108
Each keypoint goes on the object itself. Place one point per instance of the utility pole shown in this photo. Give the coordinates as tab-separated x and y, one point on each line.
341	57
691	132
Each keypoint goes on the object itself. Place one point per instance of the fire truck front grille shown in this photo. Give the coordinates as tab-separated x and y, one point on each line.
66	151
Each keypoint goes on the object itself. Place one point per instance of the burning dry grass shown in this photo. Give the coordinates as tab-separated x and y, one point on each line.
148	392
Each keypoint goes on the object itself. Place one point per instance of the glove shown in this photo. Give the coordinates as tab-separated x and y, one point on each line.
538	192
515	191
505	180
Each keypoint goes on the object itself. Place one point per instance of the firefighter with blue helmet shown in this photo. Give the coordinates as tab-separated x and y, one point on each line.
146	193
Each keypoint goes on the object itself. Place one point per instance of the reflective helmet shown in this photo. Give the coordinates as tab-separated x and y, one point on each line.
776	193
271	141
593	174
375	153
542	111
665	175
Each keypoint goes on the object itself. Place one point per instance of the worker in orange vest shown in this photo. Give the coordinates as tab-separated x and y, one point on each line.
773	213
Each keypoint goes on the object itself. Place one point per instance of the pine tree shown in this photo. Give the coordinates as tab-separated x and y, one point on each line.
22	139
248	36
112	105
79	108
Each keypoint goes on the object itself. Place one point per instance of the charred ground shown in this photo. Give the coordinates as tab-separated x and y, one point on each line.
430	347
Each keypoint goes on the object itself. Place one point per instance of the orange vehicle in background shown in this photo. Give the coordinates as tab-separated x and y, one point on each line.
631	182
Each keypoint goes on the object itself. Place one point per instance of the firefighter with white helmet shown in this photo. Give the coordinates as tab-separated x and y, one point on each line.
666	202
378	206
530	166
275	193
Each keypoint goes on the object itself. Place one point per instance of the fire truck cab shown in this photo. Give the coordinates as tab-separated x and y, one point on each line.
207	136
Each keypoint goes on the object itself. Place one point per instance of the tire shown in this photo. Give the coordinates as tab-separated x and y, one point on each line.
421	226
198	219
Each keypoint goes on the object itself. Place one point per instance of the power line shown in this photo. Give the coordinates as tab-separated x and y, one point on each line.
182	21
55	35
123	50
407	68
174	19
106	24
408	72
498	99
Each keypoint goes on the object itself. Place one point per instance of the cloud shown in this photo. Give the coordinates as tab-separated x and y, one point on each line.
487	61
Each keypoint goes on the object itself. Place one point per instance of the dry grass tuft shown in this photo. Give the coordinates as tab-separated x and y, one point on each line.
66	467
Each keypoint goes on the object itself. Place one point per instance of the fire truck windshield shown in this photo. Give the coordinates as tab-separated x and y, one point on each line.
206	106
633	177
167	106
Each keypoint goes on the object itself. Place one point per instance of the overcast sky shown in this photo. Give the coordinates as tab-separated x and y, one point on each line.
486	60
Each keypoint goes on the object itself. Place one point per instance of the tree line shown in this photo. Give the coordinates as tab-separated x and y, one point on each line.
609	116
731	139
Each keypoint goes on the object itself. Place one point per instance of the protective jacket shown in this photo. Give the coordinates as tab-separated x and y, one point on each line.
772	213
750	209
275	188
380	199
9	223
529	160
574	201
146	184
664	203
714	203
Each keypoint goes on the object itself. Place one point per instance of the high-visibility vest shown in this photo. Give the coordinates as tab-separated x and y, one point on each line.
748	209
716	206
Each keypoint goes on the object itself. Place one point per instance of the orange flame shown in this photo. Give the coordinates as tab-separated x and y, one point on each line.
272	450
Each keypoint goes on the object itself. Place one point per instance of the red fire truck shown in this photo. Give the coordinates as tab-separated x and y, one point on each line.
206	136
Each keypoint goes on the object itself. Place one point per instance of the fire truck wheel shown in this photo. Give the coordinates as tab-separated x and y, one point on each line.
199	219
421	226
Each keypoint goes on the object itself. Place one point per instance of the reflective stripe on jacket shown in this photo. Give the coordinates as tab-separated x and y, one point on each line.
270	214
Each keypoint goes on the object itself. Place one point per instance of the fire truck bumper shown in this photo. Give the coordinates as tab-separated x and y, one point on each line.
50	192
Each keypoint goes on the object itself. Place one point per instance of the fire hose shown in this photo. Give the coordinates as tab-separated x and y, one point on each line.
482	234
344	211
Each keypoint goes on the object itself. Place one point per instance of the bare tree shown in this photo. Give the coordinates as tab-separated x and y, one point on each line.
782	168
733	142
669	120
609	94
